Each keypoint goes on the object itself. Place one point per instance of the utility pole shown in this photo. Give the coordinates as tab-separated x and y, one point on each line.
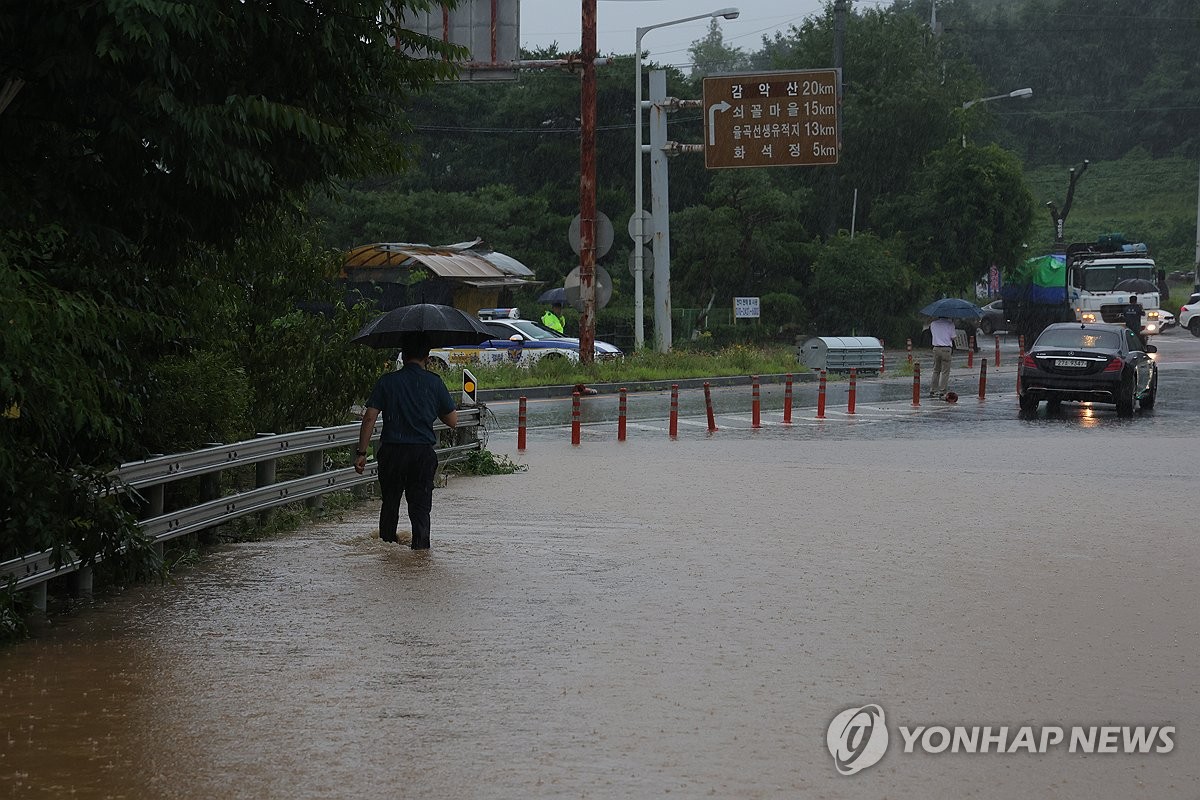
1060	217
1196	275
839	40
587	186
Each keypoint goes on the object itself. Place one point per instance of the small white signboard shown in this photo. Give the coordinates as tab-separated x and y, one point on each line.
745	308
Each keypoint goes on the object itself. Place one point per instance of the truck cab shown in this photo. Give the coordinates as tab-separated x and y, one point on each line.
1103	275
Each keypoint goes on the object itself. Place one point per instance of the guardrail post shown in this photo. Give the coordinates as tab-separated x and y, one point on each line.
210	489
264	475
314	464
82	582
37	598
154	507
787	401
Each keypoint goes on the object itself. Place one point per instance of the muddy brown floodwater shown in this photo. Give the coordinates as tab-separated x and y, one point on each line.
653	619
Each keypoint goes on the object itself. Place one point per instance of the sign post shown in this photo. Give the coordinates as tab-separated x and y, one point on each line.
746	308
772	119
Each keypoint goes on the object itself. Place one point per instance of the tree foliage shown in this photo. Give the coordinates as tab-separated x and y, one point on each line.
140	139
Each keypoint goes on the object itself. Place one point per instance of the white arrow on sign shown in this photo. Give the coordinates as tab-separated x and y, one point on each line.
712	117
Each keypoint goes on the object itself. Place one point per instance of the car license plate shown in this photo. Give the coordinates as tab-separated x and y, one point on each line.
1069	362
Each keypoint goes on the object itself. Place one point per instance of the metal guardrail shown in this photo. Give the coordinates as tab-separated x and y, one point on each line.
34	569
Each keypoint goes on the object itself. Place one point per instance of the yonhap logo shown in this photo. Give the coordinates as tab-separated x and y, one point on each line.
857	738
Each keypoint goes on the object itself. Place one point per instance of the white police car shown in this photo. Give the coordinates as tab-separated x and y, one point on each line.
519	341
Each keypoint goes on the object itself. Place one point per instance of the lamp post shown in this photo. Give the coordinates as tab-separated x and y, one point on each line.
639	334
1025	94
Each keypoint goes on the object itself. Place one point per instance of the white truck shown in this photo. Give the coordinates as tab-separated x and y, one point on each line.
1103	275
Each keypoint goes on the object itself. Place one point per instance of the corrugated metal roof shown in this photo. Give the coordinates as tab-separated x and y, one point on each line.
466	261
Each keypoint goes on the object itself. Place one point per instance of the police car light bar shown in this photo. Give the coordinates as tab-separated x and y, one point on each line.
499	313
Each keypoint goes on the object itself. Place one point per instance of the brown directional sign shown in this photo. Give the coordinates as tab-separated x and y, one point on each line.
771	119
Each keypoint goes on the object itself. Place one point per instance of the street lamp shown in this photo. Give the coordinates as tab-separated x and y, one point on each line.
1025	93
639	334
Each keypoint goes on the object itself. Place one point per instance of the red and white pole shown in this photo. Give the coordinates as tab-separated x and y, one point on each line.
674	430
908	345
970	352
1020	359
787	401
521	425
821	397
997	349
708	407
575	419
916	384
853	390
755	408
622	409
882	357
982	378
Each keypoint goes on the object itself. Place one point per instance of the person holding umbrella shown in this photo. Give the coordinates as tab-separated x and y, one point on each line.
941	330
554	319
410	398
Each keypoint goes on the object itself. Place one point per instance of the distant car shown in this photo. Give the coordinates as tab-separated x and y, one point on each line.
517	341
994	318
1189	314
1089	362
1166	320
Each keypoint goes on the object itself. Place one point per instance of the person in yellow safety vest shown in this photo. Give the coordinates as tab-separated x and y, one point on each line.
554	319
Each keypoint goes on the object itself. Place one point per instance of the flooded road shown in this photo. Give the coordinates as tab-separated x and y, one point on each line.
661	618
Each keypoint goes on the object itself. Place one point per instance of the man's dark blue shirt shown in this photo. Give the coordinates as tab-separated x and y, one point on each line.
410	398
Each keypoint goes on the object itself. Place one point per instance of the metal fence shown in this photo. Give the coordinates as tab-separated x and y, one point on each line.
149	477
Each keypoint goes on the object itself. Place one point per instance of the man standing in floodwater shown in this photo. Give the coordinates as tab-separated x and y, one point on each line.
411	398
942	332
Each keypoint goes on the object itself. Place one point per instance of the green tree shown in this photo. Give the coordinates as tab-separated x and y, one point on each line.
853	274
970	209
711	56
133	135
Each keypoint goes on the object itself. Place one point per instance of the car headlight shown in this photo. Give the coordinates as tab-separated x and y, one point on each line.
1087	316
1152	314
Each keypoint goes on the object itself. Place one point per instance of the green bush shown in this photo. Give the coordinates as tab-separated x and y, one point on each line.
195	399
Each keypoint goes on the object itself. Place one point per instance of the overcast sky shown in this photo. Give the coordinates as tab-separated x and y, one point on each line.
546	21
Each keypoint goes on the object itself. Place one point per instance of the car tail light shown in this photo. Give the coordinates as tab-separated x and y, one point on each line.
1182	309
1114	365
1028	362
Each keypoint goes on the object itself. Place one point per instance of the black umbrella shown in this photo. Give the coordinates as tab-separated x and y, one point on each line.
441	326
1136	286
552	296
952	308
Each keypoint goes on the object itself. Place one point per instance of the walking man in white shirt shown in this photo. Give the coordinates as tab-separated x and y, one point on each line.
942	331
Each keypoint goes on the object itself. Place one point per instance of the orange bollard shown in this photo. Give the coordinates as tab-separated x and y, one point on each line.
970	352
908	345
882	357
755	406
821	397
997	349
575	418
674	431
622	408
787	401
521	425
916	384
708	407
982	378
853	390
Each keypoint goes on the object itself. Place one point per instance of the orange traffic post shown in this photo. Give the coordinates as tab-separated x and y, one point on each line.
982	378
1020	359
521	425
908	345
622	408
708	407
821	397
916	384
575	418
853	390
997	349
674	431
787	400
755	407
882	357
970	352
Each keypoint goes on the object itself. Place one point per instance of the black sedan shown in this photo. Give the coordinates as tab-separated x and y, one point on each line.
1094	363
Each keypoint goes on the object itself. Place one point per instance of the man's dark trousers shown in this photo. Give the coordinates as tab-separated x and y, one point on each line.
406	469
